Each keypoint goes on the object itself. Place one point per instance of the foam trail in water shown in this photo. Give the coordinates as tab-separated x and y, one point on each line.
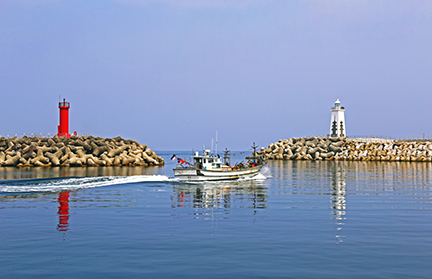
259	176
66	184
266	172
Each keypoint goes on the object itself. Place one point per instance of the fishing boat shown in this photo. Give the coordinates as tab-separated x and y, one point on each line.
209	167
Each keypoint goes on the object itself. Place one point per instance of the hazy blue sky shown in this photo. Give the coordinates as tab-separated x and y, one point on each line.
169	73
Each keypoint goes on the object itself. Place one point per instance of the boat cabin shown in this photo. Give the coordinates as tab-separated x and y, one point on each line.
207	161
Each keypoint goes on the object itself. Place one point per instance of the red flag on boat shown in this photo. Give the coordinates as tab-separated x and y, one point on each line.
179	160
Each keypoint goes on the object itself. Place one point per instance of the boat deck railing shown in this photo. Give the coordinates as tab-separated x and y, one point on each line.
224	168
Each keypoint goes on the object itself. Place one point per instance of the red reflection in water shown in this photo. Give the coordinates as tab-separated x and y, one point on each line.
181	199
63	199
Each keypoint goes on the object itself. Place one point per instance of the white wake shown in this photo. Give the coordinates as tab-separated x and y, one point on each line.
66	184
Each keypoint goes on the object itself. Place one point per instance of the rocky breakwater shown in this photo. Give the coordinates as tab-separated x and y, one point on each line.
304	149
343	149
75	152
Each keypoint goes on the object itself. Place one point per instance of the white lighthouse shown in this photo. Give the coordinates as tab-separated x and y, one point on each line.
337	124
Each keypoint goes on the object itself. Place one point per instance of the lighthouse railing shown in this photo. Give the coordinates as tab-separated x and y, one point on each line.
64	104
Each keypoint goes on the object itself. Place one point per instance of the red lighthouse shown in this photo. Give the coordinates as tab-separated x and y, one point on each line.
63	128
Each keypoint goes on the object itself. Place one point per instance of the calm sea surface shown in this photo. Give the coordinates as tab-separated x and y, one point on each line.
305	220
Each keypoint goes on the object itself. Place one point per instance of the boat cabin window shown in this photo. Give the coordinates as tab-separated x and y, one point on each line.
216	165
210	160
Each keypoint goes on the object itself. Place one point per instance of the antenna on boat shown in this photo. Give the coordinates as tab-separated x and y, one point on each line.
216	143
212	147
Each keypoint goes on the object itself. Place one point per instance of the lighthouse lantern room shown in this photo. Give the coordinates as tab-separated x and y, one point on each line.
63	128
337	124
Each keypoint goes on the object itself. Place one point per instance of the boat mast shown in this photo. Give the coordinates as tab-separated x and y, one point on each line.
227	157
254	149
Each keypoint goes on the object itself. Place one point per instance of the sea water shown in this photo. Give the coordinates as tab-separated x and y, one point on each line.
298	219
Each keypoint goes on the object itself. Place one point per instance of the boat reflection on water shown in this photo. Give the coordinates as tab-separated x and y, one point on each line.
212	198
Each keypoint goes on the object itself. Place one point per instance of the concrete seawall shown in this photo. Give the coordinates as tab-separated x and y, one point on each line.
314	148
75	152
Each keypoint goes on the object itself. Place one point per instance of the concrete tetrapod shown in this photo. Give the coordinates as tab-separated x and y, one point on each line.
316	148
75	151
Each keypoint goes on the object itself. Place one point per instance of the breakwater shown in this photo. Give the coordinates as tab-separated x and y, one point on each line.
75	152
315	148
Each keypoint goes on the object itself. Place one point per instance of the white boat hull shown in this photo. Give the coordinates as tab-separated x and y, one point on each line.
192	174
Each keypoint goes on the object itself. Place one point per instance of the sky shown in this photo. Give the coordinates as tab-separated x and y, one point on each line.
173	73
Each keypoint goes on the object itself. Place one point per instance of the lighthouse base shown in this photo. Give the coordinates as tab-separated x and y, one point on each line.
62	134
